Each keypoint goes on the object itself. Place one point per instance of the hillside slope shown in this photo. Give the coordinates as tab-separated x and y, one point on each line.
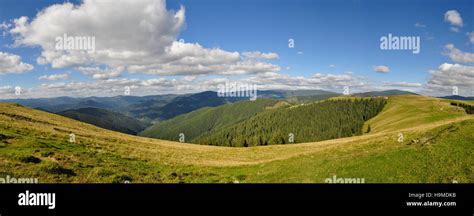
106	119
411	110
324	120
36	144
207	120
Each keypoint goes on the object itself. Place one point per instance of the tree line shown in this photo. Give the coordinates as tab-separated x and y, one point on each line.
468	108
325	120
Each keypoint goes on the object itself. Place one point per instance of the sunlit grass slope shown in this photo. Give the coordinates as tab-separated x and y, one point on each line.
438	146
411	110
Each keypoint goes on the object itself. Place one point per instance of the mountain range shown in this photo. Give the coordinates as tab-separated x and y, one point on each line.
166	116
457	97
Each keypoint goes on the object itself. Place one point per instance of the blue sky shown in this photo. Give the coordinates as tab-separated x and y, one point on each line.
332	38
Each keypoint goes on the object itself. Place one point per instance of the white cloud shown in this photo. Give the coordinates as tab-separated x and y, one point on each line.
4	25
331	82
10	63
4	28
457	55
190	84
471	37
454	18
113	87
190	78
6	90
140	36
98	73
54	77
448	76
260	55
381	69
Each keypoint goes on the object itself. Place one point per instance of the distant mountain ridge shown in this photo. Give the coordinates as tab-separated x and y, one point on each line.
153	107
133	112
457	97
392	92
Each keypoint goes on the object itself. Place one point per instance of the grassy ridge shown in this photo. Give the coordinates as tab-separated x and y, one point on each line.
431	145
411	110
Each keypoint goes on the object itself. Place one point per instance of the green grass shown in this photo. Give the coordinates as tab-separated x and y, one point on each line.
446	157
411	110
34	144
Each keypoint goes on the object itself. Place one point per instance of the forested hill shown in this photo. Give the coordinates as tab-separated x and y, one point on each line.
106	119
207	120
325	120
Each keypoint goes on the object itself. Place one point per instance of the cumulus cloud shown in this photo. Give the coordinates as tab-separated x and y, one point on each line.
113	87
447	76
98	73
454	18
10	63
54	77
457	55
6	90
140	36
381	69
260	55
272	81
331	82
